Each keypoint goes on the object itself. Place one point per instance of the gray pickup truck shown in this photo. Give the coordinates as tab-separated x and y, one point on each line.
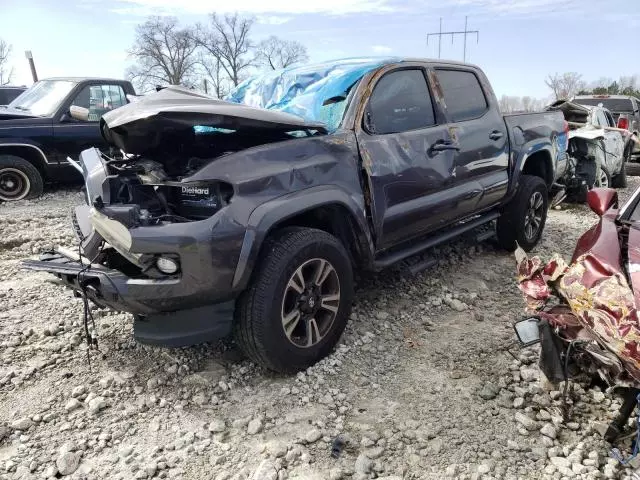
222	217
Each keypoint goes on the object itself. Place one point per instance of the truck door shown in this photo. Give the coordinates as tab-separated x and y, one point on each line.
407	155
73	136
480	174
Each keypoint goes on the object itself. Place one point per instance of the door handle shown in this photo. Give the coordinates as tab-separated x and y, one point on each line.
441	146
496	135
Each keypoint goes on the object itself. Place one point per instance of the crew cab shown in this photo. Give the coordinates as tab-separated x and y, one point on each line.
38	133
223	216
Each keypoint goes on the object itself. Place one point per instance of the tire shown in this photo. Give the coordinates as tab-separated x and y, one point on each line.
513	225
603	178
272	299
19	179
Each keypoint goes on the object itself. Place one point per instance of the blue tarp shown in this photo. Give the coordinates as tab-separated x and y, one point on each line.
302	90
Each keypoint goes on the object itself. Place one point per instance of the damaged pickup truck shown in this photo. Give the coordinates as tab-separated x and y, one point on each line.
222	217
596	150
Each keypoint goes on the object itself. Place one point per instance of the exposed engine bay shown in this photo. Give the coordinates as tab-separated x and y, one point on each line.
166	138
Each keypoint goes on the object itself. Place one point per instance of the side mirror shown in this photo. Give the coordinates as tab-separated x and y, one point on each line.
79	113
527	331
602	199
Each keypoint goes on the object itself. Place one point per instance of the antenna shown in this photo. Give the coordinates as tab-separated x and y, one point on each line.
464	32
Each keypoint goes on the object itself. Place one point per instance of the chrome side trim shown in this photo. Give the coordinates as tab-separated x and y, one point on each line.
75	164
44	157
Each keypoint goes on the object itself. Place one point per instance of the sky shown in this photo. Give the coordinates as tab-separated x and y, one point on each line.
520	41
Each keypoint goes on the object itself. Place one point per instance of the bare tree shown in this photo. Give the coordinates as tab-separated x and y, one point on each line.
213	72
226	39
527	103
6	73
276	53
164	53
566	85
509	104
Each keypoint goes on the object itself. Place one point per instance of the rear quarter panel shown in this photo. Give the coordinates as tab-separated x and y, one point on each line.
530	133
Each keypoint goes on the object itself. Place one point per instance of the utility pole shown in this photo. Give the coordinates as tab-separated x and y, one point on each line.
464	32
32	65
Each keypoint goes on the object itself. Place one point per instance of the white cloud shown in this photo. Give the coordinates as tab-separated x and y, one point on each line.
273	19
381	49
257	7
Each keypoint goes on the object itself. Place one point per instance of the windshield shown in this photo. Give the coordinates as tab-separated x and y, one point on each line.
317	92
44	97
613	104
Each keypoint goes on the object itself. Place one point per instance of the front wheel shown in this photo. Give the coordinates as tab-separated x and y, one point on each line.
523	219
298	302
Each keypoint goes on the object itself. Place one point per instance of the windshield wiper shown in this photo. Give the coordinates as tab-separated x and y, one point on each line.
21	108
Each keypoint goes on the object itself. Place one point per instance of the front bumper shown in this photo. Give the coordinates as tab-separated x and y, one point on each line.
111	288
207	250
105	287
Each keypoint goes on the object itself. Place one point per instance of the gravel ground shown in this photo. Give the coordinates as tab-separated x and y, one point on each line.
426	383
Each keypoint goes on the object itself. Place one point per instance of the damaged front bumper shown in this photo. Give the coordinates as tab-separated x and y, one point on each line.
191	304
112	289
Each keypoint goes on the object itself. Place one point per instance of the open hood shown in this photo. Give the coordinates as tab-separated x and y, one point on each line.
142	126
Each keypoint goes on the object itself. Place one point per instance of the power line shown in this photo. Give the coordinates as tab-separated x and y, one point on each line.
464	32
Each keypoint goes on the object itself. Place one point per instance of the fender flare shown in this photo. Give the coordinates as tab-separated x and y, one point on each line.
525	152
264	217
31	145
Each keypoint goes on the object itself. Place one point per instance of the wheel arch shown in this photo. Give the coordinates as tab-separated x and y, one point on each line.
327	208
31	153
538	164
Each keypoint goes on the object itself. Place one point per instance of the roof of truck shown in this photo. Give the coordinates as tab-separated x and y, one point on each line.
84	79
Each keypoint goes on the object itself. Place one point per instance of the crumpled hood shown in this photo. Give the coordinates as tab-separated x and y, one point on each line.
139	127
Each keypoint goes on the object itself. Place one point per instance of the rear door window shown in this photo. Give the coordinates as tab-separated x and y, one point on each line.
463	94
400	102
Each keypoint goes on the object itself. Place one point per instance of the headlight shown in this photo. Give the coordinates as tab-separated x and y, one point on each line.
167	265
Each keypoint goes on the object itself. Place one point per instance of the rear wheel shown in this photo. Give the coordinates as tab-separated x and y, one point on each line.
523	219
19	179
298	302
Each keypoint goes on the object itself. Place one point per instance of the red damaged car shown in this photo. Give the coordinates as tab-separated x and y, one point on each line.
585	313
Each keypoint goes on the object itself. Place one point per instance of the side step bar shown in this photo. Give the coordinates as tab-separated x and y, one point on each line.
392	258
